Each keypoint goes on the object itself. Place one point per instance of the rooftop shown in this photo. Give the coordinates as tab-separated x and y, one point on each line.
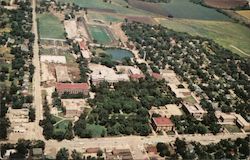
62	86
162	121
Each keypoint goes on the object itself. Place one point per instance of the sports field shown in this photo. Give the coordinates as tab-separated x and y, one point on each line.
50	26
232	36
100	34
244	13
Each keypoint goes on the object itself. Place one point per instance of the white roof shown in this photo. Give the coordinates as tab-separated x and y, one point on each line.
53	59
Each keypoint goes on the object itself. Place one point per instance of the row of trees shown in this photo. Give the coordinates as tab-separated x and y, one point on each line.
63	154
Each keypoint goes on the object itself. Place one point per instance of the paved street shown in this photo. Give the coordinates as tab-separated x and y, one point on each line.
36	78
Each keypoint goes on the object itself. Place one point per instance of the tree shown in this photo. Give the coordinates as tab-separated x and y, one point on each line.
4	125
76	155
99	153
32	114
62	154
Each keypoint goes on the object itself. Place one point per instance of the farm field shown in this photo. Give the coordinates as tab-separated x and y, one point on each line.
50	26
244	13
226	4
232	36
180	9
117	6
100	34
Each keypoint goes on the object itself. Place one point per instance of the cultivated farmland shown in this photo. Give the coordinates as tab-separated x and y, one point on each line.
232	36
180	9
50	26
226	4
244	13
117	6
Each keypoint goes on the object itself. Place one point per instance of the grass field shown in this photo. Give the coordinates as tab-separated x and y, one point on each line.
119	6
100	34
50	26
61	127
96	130
180	9
244	13
232	128
232	36
104	17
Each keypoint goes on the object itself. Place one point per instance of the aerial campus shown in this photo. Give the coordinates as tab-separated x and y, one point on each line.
124	79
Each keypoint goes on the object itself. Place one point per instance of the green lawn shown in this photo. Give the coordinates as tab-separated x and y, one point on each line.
96	130
232	36
100	34
50	26
232	128
61	127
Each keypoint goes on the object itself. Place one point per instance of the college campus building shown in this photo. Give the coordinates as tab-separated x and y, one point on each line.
72	88
162	124
195	110
232	119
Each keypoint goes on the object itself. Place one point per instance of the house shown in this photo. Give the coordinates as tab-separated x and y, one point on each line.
162	124
37	154
124	154
157	76
136	76
18	116
72	88
151	149
195	110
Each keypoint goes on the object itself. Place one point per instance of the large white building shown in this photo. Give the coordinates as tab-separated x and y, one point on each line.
102	73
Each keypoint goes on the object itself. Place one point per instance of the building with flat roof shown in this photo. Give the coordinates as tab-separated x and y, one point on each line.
53	59
62	73
72	88
225	118
17	116
195	110
74	107
102	73
37	154
180	92
166	111
123	154
232	119
162	124
242	123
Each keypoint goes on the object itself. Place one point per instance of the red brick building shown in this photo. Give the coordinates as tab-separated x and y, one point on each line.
72	88
162	124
